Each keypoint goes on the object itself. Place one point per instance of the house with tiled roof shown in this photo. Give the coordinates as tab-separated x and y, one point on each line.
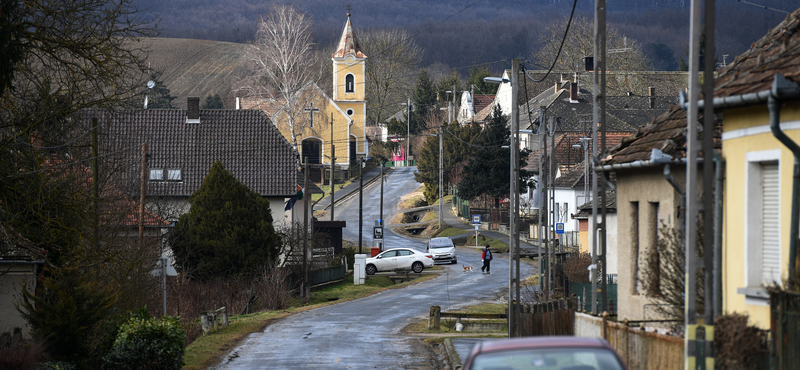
471	104
759	94
649	168
583	218
181	146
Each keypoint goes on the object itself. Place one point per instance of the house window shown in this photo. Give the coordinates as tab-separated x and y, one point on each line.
174	175
637	265
762	223
160	174
349	83
157	174
652	260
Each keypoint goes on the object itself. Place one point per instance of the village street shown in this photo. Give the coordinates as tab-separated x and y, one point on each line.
366	333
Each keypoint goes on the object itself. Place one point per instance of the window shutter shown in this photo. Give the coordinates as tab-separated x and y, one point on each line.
770	215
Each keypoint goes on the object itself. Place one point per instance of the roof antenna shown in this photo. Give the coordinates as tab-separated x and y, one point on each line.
150	85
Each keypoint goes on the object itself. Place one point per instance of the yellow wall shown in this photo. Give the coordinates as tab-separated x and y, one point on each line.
734	151
341	70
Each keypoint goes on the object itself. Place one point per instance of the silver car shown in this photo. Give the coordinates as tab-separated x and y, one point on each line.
399	259
443	250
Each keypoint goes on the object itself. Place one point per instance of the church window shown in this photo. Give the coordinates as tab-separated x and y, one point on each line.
349	83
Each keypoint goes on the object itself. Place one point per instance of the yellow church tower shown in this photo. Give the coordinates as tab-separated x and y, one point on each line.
349	91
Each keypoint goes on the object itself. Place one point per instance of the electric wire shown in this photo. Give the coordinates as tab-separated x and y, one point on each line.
563	40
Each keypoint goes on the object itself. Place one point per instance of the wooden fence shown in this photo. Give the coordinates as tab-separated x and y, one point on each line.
640	349
549	318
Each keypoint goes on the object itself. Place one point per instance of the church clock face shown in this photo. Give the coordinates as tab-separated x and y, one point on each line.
350	60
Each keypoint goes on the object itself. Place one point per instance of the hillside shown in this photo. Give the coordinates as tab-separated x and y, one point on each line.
196	67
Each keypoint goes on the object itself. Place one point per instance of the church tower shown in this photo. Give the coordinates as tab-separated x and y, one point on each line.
349	85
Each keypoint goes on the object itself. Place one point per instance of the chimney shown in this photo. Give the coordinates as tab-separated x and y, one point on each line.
573	92
193	109
588	64
238	103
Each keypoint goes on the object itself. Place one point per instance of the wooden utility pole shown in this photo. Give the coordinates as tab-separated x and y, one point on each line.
141	196
95	183
306	287
333	167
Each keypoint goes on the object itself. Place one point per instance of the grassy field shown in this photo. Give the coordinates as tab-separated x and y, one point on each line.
208	350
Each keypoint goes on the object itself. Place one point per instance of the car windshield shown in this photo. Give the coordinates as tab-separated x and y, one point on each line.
548	359
440	245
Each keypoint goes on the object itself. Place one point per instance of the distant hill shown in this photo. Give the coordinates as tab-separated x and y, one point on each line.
480	32
196	67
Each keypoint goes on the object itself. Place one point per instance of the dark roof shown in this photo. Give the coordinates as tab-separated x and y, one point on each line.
245	141
666	133
572	178
777	52
585	210
481	101
567	156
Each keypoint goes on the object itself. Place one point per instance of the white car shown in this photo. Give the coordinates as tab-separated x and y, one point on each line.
399	259
442	249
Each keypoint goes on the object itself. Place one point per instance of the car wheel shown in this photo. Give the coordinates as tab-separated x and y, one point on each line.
417	267
371	269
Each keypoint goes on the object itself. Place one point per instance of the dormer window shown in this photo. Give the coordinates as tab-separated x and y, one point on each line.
156	175
160	174
349	83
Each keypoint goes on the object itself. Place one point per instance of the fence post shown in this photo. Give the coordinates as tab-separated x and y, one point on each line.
437	317
431	316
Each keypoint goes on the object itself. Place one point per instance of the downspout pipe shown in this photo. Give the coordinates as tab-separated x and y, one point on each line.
718	163
782	89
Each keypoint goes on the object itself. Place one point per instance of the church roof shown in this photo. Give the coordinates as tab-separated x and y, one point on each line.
348	43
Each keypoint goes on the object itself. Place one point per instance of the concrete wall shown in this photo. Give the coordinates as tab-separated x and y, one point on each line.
645	201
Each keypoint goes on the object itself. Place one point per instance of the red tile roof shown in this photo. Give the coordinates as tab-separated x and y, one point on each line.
777	52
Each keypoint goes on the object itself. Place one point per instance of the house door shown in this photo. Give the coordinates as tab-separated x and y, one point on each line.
311	151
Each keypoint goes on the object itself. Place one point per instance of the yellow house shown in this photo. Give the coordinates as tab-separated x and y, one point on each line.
759	96
322	123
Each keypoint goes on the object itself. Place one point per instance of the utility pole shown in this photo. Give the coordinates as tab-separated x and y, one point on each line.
306	202
551	216
598	118
142	193
513	260
541	204
441	173
360	203
95	183
333	167
381	215
408	130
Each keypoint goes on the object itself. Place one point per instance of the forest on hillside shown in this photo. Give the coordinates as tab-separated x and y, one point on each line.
483	32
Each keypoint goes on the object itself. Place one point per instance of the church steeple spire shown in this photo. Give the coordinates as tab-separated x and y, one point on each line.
348	43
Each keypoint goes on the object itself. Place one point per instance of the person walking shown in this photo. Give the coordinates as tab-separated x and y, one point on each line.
486	256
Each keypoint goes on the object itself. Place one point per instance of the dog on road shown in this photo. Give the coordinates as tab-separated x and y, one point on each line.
467	268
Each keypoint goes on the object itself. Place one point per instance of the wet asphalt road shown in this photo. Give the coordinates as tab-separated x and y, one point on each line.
366	333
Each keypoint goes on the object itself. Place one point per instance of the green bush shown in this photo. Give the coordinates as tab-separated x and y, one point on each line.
148	343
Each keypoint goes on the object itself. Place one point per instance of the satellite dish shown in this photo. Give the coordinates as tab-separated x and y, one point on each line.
151	84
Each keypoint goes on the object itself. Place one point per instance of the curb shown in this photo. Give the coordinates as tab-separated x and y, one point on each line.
455	362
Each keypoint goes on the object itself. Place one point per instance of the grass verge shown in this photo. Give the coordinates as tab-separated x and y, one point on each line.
209	350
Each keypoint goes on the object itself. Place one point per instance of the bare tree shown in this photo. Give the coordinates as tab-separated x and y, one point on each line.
393	55
283	64
622	54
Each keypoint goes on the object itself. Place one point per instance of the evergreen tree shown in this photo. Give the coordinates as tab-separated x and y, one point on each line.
487	170
476	75
455	152
424	102
228	230
213	102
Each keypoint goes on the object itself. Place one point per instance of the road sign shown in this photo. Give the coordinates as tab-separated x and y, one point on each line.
476	219
170	270
560	228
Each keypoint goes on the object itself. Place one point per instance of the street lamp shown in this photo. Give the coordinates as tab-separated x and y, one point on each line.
513	273
408	129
